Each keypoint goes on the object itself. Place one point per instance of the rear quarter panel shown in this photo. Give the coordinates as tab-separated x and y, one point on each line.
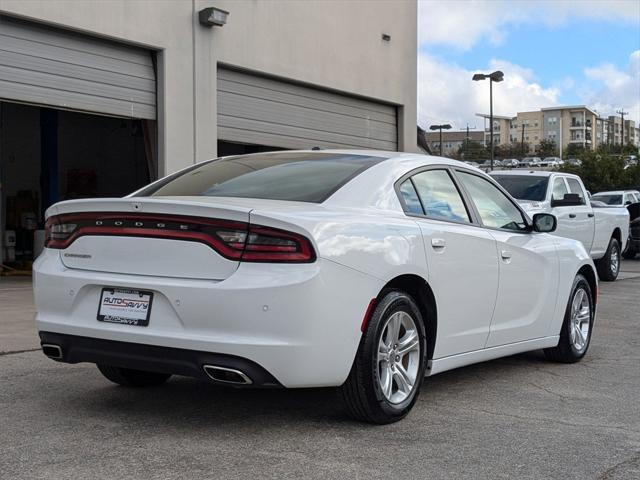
572	256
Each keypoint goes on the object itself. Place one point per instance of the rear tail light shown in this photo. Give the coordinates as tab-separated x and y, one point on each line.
234	240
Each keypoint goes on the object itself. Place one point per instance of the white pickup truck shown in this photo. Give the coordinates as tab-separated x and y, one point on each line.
604	231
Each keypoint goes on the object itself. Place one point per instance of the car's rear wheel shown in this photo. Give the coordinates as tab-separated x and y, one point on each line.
388	370
609	265
133	378
575	334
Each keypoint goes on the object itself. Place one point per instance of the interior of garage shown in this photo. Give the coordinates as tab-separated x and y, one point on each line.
77	120
48	155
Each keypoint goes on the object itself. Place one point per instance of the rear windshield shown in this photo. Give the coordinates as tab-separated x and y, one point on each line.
301	177
608	199
524	187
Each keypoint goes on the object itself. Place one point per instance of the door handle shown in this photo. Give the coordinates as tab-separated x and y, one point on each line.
438	243
572	215
505	254
590	215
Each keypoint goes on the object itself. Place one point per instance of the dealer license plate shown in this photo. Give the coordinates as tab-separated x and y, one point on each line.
121	305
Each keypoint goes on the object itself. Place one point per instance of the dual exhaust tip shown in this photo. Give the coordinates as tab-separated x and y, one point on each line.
217	373
226	375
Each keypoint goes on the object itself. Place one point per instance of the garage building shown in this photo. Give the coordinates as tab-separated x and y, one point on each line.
99	98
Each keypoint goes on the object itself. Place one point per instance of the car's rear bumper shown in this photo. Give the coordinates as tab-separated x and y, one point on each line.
177	361
299	322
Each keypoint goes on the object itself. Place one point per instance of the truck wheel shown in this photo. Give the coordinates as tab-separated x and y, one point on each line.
609	265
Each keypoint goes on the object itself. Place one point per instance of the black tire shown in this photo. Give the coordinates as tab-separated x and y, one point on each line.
362	393
133	378
566	351
607	272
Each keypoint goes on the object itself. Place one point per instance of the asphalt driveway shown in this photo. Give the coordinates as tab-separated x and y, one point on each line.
519	417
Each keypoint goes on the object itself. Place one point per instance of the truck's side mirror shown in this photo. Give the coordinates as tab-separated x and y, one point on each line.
544	223
569	200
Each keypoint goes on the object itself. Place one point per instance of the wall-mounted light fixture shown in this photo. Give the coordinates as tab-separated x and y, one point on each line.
213	16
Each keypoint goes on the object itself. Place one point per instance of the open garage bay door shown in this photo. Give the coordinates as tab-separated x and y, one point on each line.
61	69
259	110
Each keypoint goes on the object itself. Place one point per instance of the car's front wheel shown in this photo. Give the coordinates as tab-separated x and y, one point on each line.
133	378
609	265
577	326
387	373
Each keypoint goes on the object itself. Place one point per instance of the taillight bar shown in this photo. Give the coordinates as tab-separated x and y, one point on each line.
234	240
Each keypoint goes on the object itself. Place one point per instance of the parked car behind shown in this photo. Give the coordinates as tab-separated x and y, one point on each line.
362	270
604	232
530	162
551	162
618	198
510	162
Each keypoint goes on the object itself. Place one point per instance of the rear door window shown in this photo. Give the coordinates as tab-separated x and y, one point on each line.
439	196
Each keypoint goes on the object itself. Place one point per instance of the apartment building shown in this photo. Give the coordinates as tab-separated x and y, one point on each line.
527	127
452	140
501	125
564	125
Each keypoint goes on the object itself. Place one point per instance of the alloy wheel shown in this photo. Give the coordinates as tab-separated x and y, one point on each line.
580	320
398	357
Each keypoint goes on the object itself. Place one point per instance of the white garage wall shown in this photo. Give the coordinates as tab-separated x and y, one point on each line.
335	45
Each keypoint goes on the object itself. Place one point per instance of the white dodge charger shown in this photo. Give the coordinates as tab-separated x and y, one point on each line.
360	269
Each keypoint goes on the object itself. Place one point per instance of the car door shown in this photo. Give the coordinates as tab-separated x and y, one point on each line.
462	260
528	264
584	222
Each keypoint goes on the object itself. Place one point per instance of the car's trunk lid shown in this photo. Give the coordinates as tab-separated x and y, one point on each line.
149	236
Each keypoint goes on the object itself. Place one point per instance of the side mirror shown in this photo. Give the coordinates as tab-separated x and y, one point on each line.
544	223
569	200
628	202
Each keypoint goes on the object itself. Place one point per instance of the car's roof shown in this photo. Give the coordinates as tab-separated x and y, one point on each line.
613	192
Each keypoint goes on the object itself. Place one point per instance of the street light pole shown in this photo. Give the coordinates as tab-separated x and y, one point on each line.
491	120
496	76
444	126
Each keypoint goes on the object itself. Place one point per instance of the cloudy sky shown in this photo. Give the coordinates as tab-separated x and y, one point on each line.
552	52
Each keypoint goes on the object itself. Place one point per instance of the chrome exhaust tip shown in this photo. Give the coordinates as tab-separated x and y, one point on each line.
52	351
226	375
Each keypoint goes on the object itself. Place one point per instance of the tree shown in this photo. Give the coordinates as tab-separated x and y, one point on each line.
600	172
473	151
547	148
575	150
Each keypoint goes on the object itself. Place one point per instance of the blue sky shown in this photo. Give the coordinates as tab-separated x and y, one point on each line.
552	53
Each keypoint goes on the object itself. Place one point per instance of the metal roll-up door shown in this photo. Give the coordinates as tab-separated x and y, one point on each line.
62	69
265	111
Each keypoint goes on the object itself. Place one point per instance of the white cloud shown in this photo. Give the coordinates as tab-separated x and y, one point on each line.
462	23
610	89
446	93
